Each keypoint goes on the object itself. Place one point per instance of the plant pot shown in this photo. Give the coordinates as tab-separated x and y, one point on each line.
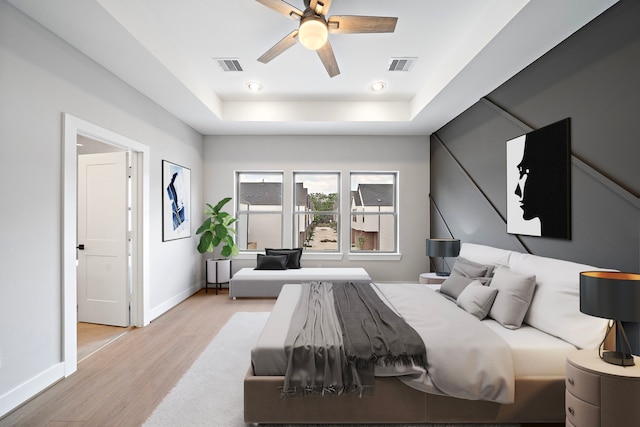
217	271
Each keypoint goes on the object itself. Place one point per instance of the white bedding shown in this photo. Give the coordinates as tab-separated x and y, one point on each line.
533	352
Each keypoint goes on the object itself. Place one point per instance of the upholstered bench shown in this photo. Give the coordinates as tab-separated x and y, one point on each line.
248	282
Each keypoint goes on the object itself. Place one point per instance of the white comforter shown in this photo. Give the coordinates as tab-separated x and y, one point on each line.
465	359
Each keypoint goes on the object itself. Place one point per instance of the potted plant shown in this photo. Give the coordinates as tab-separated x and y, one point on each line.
217	229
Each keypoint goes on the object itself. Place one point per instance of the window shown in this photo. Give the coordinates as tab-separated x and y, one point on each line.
373	212
259	210
316	213
312	212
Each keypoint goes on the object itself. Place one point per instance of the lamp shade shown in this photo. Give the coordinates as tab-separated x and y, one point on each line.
610	295
443	247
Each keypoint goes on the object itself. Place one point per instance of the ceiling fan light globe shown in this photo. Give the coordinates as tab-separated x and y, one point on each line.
313	33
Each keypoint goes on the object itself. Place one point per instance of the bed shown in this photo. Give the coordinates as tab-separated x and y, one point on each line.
249	282
536	352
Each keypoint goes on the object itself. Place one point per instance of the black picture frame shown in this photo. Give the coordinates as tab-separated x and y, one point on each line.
539	182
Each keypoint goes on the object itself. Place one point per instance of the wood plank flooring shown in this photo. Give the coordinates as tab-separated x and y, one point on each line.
123	383
92	337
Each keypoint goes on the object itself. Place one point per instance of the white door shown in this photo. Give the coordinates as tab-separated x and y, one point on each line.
103	285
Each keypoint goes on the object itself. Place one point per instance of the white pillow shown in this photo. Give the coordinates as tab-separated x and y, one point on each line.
477	299
555	308
515	292
485	254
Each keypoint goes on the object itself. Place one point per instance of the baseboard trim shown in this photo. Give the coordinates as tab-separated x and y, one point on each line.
21	394
158	311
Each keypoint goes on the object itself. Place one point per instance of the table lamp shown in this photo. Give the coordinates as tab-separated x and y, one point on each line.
616	296
442	248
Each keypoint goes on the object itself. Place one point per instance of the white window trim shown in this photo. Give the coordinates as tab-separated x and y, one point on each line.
306	256
377	255
374	256
251	253
321	255
331	256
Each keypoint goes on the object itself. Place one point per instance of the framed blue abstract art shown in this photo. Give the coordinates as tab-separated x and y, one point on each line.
176	201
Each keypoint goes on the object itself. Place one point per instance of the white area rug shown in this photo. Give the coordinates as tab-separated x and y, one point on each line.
211	392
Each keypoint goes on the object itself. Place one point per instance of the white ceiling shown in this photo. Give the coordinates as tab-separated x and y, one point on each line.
166	50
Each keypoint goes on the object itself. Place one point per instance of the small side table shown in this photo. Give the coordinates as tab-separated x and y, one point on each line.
600	394
431	279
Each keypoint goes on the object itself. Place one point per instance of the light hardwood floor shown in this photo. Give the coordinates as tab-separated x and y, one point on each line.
121	384
92	337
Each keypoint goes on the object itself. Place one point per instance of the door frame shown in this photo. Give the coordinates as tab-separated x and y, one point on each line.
72	127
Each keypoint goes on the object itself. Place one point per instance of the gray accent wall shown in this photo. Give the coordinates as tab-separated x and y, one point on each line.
593	77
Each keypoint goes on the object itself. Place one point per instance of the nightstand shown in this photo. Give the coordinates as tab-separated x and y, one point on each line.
431	279
600	394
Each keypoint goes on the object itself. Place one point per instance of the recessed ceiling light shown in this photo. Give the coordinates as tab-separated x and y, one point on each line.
254	86
377	86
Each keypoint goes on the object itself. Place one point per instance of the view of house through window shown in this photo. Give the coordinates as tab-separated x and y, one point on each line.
316	215
316	211
373	212
259	210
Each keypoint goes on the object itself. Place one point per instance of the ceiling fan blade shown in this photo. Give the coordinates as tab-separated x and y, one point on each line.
320	7
361	24
284	44
328	59
283	7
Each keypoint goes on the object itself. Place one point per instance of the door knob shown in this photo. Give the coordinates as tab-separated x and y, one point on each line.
80	247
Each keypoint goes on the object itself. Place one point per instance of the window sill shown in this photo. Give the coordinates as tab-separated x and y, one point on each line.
306	256
333	256
371	256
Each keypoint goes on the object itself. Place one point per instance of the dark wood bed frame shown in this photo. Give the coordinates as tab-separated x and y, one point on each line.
537	400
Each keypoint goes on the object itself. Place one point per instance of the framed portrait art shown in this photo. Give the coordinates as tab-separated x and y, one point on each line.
538	182
176	201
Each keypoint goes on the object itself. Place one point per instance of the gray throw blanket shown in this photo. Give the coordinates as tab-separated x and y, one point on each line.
338	333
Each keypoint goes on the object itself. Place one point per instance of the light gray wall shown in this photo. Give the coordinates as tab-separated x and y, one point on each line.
42	77
592	78
223	155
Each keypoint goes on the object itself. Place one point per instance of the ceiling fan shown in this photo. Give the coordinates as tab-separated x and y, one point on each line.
313	29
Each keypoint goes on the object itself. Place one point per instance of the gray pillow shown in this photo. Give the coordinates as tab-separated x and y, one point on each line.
515	292
474	270
477	299
454	285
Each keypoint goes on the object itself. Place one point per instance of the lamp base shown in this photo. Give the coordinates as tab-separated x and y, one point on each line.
443	273
618	358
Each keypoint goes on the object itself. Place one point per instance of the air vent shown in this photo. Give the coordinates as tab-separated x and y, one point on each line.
401	64
229	64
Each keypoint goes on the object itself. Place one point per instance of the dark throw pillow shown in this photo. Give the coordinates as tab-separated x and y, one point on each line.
294	255
271	262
